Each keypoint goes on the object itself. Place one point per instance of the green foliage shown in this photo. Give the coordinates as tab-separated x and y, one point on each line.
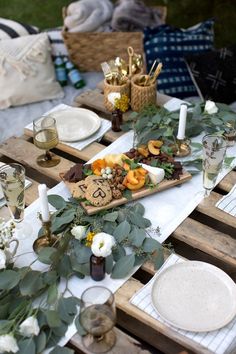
19	288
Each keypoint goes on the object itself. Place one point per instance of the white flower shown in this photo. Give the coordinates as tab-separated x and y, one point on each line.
29	327
79	232
210	107
3	259
8	344
102	244
113	96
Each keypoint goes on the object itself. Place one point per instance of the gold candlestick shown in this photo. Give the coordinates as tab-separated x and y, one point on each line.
47	239
183	147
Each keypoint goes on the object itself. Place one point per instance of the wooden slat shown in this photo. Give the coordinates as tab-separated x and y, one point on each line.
122	297
124	344
207	207
208	240
26	154
86	154
228	182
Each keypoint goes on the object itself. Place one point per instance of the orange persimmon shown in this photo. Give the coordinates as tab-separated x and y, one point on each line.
135	179
97	166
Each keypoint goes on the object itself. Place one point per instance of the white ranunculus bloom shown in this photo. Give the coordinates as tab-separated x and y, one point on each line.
79	232
112	97
102	244
3	259
8	344
210	107
29	327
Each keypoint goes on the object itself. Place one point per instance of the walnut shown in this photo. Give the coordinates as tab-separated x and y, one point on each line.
120	186
116	194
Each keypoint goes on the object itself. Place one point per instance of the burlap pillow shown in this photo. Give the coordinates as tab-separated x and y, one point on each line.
26	71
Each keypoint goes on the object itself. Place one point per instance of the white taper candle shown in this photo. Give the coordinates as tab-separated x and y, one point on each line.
182	121
43	198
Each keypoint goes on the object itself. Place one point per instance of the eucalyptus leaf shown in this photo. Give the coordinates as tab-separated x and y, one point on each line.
109	227
137	236
118	252
31	283
52	294
56	201
40	341
4	311
53	318
111	216
60	331
138	208
158	258
67	308
150	245
82	268
122	231
50	277
9	279
66	217
82	253
5	326
45	254
64	268
109	264
123	267
26	346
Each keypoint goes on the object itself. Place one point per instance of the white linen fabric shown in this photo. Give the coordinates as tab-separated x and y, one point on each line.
80	145
228	202
26	71
12	29
88	16
216	341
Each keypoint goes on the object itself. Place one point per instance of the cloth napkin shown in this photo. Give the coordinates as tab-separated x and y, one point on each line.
217	341
79	145
2	199
228	202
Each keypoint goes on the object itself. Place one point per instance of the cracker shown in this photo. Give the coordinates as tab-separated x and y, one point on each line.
98	195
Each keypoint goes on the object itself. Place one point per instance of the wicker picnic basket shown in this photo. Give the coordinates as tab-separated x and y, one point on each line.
89	50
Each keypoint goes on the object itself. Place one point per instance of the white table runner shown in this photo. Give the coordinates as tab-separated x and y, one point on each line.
80	145
216	341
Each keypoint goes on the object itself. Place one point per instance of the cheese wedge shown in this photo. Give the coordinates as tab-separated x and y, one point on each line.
155	174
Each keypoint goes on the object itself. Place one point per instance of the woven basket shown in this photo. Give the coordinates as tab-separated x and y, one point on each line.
142	95
122	89
89	50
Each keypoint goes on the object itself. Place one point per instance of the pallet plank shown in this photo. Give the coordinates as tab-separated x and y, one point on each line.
228	181
26	153
86	154
207	207
208	240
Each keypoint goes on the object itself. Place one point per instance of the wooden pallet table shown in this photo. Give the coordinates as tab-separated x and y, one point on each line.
208	234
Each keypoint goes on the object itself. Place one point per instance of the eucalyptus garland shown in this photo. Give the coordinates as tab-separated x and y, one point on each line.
27	328
158	123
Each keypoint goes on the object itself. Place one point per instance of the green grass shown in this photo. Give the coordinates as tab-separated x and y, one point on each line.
181	13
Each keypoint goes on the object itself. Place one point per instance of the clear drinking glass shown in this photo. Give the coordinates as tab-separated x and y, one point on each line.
12	179
214	148
98	317
46	138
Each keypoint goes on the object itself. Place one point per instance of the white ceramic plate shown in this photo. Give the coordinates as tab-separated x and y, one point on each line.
195	296
76	124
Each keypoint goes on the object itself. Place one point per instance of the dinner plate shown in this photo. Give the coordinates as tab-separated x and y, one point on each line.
195	296
76	124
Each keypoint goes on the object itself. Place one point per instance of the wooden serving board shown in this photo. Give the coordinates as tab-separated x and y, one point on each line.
141	193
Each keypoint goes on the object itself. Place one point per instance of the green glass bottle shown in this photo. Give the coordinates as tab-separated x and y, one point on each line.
73	74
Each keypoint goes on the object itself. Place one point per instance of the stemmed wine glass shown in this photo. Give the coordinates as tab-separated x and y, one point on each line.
98	317
12	179
214	148
46	138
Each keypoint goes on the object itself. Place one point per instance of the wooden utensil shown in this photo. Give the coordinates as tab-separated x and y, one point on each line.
156	73
131	54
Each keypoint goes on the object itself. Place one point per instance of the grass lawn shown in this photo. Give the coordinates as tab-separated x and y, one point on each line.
181	13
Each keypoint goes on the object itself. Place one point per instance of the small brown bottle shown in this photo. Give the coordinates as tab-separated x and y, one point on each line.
116	120
97	267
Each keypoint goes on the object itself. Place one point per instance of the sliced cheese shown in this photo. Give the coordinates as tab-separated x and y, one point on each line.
155	174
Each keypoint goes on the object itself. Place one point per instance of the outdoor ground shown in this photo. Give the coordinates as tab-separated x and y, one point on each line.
181	13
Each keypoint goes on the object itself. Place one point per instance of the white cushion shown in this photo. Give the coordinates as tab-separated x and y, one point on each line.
26	71
13	29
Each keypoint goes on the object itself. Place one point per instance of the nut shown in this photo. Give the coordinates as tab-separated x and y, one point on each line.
116	193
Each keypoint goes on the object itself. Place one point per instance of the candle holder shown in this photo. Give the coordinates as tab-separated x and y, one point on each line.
47	239
183	147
